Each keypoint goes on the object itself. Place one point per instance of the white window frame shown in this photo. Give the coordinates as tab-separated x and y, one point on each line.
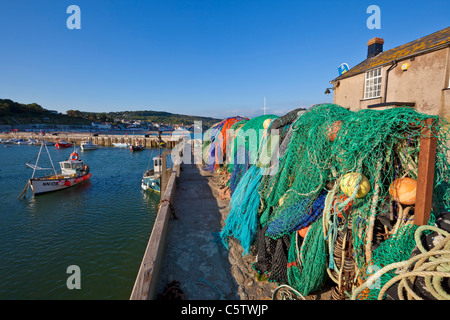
372	83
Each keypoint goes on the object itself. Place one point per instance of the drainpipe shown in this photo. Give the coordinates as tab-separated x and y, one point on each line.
394	64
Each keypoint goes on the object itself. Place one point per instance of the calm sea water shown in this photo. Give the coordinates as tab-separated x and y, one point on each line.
102	226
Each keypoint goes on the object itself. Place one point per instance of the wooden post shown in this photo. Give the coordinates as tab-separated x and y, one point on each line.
165	174
425	174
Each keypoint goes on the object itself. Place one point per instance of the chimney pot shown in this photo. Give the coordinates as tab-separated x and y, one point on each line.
374	47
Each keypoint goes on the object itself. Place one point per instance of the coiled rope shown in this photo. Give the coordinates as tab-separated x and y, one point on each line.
437	268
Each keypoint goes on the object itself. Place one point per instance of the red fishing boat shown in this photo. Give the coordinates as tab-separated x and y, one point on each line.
63	144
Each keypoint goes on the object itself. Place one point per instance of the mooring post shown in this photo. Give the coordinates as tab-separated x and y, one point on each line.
164	172
425	174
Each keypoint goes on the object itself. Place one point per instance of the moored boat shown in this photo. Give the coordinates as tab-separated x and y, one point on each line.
121	145
137	147
73	172
63	144
88	145
151	180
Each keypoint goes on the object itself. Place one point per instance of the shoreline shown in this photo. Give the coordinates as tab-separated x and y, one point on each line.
103	140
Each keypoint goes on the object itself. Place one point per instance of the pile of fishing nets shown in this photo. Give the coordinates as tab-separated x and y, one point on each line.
335	199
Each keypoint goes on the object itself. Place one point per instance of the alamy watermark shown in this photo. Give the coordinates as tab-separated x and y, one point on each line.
74	280
374	21
74	20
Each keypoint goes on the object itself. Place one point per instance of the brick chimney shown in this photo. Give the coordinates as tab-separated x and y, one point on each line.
374	47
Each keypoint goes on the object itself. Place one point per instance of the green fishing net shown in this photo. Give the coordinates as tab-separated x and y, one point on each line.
318	148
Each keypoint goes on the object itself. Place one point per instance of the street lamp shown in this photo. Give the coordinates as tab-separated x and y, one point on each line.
328	90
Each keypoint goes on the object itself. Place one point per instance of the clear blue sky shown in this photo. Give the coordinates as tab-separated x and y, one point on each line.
210	58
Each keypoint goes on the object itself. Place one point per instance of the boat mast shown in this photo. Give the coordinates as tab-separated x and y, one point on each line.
49	157
37	160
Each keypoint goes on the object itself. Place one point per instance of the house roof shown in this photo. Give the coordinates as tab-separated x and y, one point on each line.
428	43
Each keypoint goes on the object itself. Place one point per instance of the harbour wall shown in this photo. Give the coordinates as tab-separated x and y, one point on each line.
103	140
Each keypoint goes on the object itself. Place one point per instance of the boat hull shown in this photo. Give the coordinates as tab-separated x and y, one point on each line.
63	145
136	148
55	183
89	147
121	145
151	183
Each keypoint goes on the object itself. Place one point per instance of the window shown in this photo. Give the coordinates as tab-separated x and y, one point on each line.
372	88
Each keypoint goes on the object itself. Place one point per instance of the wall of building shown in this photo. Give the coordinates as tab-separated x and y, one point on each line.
424	83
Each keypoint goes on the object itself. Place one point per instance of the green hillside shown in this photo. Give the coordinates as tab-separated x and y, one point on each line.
14	113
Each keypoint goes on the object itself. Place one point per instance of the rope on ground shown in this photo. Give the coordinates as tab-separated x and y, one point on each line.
286	294
222	297
433	271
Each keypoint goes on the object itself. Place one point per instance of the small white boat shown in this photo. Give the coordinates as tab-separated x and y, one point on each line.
152	178
21	141
88	145
33	142
121	145
73	171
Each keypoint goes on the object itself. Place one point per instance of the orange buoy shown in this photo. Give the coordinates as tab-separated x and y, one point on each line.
67	183
404	190
333	129
341	199
74	156
302	232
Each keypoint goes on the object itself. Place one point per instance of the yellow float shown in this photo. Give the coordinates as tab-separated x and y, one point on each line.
348	183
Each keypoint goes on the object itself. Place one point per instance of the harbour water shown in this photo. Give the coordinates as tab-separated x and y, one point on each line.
102	225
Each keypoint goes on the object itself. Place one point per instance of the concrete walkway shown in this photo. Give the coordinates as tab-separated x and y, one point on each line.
193	254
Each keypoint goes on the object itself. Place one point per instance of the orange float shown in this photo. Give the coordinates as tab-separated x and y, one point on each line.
404	190
341	199
74	156
302	232
333	129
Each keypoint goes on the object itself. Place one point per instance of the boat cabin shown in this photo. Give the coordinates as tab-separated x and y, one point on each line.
157	164
71	167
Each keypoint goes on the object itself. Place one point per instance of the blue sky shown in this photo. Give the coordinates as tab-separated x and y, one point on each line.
210	58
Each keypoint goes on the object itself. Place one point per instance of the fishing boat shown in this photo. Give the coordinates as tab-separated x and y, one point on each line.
88	145
73	172
33	142
151	180
138	147
63	144
121	145
9	141
21	141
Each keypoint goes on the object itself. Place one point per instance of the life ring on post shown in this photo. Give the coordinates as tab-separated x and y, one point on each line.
74	156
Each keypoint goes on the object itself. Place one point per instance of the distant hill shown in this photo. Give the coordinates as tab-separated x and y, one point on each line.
13	113
162	117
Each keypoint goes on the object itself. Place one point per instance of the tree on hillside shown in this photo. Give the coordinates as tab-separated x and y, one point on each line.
74	113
